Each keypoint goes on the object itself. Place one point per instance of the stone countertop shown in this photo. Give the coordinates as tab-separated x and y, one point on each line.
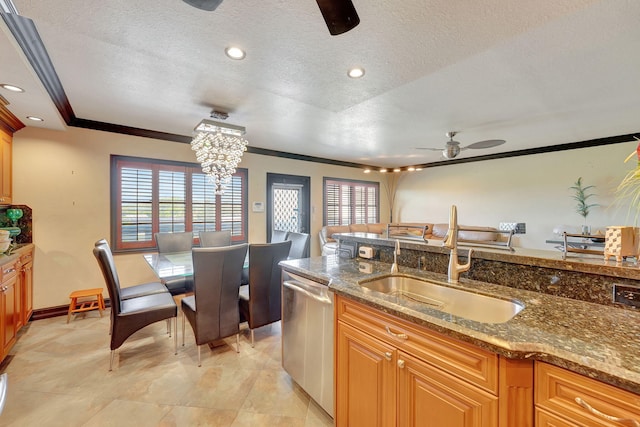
534	257
15	254
594	340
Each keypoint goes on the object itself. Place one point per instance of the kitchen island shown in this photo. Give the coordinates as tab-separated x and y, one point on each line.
596	341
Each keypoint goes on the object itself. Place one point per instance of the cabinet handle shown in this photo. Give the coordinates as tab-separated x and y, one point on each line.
626	421
9	270
400	363
388	355
399	336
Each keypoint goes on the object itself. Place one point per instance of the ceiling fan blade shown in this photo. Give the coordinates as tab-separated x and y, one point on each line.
339	15
208	5
428	148
489	143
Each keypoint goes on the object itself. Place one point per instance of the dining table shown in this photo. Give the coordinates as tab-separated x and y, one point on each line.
176	264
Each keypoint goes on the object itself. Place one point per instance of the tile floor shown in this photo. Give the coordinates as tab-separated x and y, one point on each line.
58	376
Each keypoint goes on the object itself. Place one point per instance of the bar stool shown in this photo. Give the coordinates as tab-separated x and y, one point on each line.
91	300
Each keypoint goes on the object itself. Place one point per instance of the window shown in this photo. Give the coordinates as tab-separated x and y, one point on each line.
350	202
150	196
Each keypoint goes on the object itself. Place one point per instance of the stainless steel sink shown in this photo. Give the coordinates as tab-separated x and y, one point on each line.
461	303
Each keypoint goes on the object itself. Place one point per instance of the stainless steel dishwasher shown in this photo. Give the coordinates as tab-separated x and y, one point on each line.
307	337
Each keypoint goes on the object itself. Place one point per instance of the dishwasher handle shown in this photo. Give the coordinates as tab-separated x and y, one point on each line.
317	293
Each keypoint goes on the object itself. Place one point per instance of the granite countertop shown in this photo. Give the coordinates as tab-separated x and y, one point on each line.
16	253
597	341
534	257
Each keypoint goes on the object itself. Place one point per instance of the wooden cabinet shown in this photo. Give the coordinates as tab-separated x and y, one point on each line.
26	279
564	398
9	304
390	372
6	141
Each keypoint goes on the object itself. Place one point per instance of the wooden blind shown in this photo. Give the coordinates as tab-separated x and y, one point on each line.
150	196
350	202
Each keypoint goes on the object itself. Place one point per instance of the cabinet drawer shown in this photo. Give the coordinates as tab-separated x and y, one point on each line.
9	270
463	360
26	257
557	390
544	419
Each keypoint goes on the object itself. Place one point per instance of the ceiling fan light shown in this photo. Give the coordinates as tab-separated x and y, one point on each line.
208	5
339	15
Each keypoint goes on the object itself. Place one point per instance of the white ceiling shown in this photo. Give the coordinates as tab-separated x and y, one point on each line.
536	74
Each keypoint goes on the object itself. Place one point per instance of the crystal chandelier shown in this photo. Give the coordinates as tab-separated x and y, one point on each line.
219	149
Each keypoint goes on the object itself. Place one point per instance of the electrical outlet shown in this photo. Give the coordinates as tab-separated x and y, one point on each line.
517	227
627	295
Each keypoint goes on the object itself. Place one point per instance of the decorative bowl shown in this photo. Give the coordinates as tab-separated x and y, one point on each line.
4	245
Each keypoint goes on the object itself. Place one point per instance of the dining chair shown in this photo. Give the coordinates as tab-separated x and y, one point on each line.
212	310
4	385
170	243
260	301
299	245
215	239
131	315
278	236
134	290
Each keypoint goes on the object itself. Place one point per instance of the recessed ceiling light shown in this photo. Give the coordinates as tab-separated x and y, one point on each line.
411	168
367	170
234	52
356	73
397	170
383	170
35	119
12	88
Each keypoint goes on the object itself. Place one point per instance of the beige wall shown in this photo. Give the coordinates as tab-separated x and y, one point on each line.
64	178
531	189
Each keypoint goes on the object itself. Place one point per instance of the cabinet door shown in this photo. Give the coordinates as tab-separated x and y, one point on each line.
6	173
27	292
8	314
19	291
428	397
366	379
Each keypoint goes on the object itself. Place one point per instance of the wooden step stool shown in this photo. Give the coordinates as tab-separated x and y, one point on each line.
92	299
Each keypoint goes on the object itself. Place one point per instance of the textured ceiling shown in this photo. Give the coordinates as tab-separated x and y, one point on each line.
533	73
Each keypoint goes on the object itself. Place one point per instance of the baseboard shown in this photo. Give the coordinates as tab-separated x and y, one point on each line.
60	310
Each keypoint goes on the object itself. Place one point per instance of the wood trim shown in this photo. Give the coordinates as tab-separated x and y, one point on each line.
515	388
8	120
57	311
26	34
540	150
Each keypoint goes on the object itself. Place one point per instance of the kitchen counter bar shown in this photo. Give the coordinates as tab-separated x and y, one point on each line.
598	341
531	257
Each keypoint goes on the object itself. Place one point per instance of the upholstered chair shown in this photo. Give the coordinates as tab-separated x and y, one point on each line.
134	290
215	239
130	315
278	236
212	310
299	245
260	300
176	242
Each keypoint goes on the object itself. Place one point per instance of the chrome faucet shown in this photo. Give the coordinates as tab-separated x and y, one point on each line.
396	252
451	242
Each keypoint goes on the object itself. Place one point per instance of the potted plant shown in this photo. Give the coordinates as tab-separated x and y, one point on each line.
629	189
582	206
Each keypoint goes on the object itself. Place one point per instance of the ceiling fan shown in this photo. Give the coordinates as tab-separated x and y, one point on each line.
453	148
339	15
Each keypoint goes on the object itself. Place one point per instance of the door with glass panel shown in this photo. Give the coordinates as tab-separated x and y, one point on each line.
288	203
